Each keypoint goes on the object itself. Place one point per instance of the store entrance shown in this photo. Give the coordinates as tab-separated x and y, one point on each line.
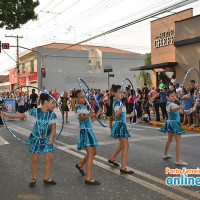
166	76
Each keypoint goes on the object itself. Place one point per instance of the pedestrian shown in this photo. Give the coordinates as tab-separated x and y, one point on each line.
130	104
152	93
145	88
162	84
145	102
21	103
178	90
119	131
187	102
156	100
197	110
163	102
138	103
27	99
56	94
173	80
87	139
42	134
71	100
33	99
171	86
173	128
64	105
108	106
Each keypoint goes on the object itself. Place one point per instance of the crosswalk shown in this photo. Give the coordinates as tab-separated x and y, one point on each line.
3	141
71	129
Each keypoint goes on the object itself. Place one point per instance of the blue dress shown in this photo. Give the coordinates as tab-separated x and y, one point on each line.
173	123
119	129
41	130
86	136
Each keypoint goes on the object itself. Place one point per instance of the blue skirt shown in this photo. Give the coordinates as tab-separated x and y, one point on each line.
47	148
119	130
172	127
86	139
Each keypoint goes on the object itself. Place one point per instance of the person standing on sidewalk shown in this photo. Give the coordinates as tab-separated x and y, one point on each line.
163	102
34	99
151	95
156	100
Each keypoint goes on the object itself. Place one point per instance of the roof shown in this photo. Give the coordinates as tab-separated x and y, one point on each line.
4	78
85	47
155	66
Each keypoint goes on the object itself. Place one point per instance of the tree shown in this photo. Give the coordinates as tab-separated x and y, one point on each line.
147	60
15	13
145	77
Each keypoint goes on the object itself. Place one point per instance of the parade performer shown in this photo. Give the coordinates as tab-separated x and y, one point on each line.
41	137
173	127
120	131
86	138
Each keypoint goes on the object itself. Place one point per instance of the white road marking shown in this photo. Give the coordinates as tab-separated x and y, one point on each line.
3	141
146	184
129	177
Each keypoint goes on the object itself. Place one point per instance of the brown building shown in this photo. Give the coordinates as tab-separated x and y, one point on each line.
175	47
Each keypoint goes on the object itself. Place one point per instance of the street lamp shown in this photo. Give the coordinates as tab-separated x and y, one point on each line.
108	69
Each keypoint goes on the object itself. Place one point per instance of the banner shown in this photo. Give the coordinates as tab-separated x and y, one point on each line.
10	106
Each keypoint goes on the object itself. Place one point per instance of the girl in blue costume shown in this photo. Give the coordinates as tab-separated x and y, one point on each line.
43	132
173	127
86	138
120	131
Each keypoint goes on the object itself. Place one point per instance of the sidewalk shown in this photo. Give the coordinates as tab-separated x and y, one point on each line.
162	122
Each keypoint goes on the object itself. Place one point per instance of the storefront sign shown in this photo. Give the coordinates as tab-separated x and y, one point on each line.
164	39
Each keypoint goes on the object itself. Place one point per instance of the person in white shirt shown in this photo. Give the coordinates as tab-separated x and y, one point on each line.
178	90
21	102
173	80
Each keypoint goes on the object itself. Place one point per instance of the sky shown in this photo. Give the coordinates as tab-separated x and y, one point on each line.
72	21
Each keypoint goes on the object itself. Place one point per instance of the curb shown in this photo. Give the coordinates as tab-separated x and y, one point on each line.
183	127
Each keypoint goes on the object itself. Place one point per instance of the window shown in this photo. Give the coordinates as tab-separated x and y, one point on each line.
32	65
90	61
23	68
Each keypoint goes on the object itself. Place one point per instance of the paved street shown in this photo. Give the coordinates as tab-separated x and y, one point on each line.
145	158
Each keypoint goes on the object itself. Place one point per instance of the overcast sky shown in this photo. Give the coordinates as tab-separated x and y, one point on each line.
72	21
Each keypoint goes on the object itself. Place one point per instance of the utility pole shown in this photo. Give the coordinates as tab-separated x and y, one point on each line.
17	62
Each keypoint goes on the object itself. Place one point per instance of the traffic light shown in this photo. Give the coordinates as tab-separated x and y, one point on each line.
43	72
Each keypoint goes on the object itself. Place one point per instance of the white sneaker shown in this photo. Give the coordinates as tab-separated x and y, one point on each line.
167	156
181	163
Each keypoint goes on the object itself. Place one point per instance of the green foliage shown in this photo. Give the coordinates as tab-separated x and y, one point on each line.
147	60
145	77
15	13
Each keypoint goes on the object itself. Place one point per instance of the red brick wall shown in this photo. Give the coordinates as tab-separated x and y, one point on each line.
165	53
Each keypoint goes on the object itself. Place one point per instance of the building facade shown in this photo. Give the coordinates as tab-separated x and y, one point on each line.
65	63
175	47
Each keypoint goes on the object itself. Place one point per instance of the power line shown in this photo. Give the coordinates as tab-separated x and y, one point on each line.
164	10
131	15
8	55
17	62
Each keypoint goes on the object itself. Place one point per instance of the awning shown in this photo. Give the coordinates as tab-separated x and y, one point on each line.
156	66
